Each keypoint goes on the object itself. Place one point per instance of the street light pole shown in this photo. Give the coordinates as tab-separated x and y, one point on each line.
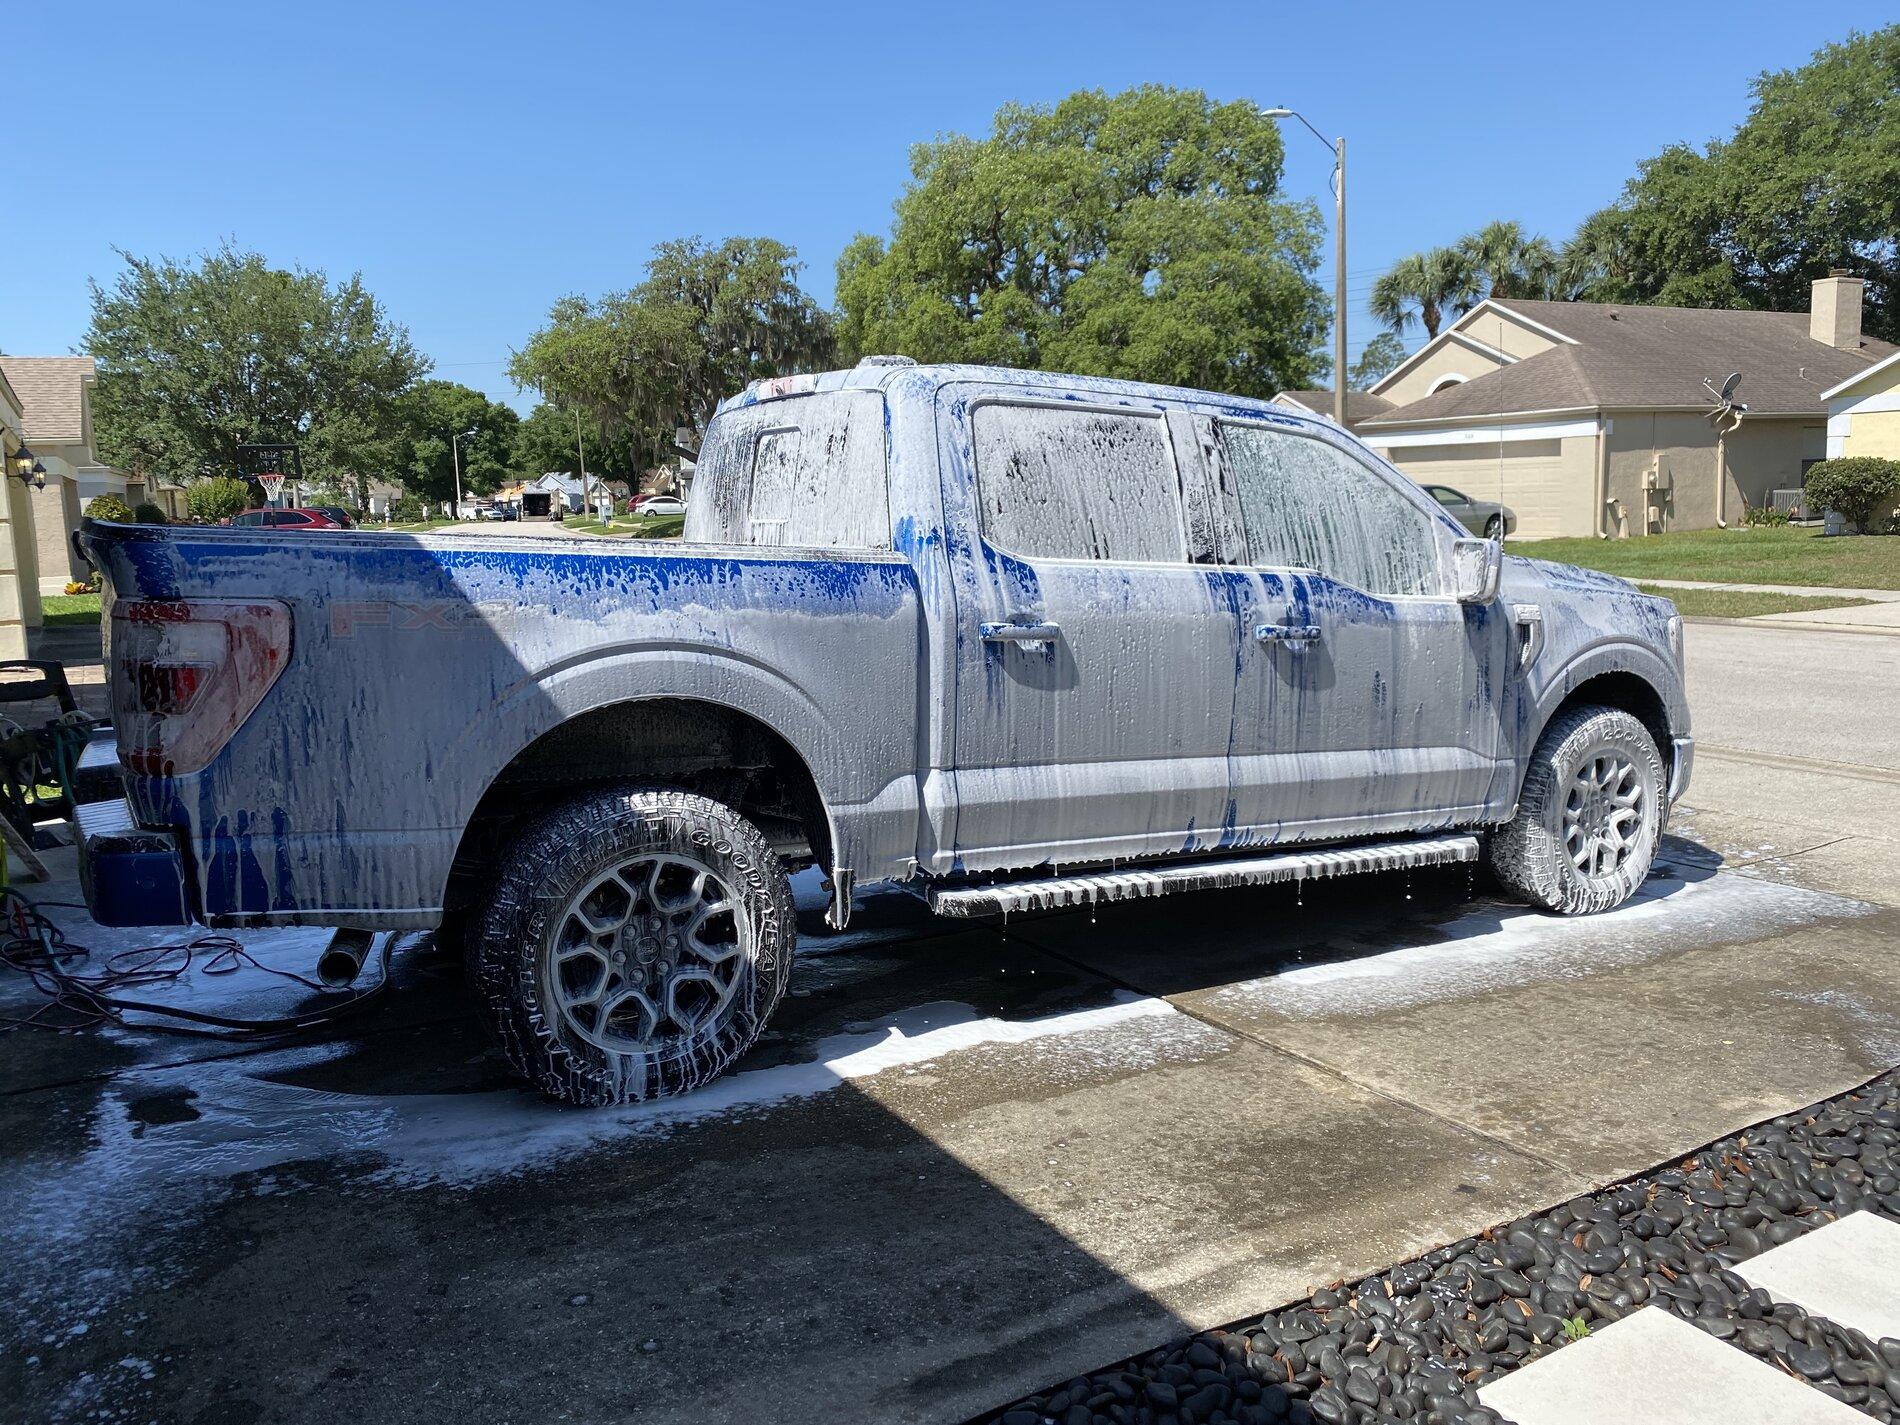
455	455
581	446
1338	146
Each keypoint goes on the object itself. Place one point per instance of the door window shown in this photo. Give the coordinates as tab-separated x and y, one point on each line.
1307	504
1058	482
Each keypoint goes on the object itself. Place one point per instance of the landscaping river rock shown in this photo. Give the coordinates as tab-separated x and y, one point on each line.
1416	1342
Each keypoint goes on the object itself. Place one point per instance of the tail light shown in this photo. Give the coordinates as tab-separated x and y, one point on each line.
186	674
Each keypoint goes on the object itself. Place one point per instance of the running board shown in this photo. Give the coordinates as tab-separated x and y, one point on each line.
1004	897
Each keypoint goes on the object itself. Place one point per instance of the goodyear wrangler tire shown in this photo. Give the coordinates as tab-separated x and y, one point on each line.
1590	815
637	942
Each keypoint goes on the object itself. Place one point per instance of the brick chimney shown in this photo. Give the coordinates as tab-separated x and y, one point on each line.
1834	309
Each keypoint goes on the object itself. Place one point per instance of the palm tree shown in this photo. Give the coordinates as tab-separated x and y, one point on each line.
1508	263
1426	284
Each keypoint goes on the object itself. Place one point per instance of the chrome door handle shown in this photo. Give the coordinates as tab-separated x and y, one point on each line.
1029	635
1292	634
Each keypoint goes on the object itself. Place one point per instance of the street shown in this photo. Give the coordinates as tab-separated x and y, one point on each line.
964	1162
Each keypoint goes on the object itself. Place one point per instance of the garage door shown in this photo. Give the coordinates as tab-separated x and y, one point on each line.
1530	477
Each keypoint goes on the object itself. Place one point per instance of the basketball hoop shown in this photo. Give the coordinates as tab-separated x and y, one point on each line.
273	483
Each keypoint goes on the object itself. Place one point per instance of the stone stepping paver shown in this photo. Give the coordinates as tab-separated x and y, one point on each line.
1847	1271
1652	1368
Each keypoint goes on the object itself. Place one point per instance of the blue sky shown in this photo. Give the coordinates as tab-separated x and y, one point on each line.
475	162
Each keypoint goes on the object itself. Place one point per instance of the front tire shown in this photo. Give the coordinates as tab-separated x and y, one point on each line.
1589	817
636	943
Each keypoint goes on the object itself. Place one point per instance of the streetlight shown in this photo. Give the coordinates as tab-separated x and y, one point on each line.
455	455
1338	146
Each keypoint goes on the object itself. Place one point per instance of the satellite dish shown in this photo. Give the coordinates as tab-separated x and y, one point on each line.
1727	408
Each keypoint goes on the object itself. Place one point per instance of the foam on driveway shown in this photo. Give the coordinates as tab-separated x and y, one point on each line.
959	1165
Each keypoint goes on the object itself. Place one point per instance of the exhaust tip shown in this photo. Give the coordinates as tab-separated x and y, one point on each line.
342	960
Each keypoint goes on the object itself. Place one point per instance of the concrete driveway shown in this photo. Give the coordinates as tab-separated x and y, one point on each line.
965	1162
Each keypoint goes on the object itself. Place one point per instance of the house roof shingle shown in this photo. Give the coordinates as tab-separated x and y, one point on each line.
1654	357
1360	405
51	392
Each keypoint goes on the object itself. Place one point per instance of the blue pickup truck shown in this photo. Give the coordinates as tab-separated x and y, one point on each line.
1015	639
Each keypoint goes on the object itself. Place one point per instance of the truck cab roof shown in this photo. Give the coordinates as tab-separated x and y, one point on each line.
889	372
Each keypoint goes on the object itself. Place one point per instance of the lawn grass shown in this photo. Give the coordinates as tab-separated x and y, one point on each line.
634	526
1786	554
70	610
1746	603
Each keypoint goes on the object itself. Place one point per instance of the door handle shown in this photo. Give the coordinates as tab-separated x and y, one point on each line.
1027	635
1291	634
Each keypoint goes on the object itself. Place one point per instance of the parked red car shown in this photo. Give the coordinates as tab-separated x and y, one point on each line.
292	519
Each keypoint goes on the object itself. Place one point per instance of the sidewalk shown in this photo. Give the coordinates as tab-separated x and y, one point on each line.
1880	614
1811	591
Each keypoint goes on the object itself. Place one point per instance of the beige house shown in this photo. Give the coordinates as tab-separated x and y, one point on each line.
55	394
19	545
1863	412
1591	418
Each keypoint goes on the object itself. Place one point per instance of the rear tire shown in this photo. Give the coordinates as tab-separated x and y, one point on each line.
636	943
1494	527
1589	817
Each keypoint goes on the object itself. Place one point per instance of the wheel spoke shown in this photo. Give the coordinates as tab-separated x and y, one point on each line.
649	1012
682	978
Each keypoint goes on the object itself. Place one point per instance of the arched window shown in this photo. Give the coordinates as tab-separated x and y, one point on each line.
1450	378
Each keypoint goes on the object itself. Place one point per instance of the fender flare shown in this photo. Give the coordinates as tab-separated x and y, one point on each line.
1615	656
540	702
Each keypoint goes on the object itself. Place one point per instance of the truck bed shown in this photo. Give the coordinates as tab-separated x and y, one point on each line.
421	668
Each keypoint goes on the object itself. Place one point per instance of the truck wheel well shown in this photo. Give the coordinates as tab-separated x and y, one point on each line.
1634	695
701	747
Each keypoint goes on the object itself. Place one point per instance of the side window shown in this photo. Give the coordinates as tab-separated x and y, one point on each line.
1077	484
1306	504
804	470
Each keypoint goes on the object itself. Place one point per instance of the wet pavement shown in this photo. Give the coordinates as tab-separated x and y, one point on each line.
964	1163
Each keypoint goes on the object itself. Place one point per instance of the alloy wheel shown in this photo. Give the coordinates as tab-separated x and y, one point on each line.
646	955
1605	811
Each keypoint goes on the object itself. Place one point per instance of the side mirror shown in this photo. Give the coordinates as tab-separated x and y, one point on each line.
1476	566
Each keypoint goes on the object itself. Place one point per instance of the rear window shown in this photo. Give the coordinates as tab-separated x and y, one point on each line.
804	470
1059	482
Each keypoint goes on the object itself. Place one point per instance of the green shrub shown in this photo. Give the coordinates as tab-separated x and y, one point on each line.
109	507
218	498
1759	515
145	512
1862	489
407	510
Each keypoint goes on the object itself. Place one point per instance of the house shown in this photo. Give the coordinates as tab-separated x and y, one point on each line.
1593	419
1863	412
55	394
19	543
560	486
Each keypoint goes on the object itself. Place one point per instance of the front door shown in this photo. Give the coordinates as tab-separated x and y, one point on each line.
1095	663
1369	696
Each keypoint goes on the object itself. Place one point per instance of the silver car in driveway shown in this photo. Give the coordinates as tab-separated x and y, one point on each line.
1482	517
